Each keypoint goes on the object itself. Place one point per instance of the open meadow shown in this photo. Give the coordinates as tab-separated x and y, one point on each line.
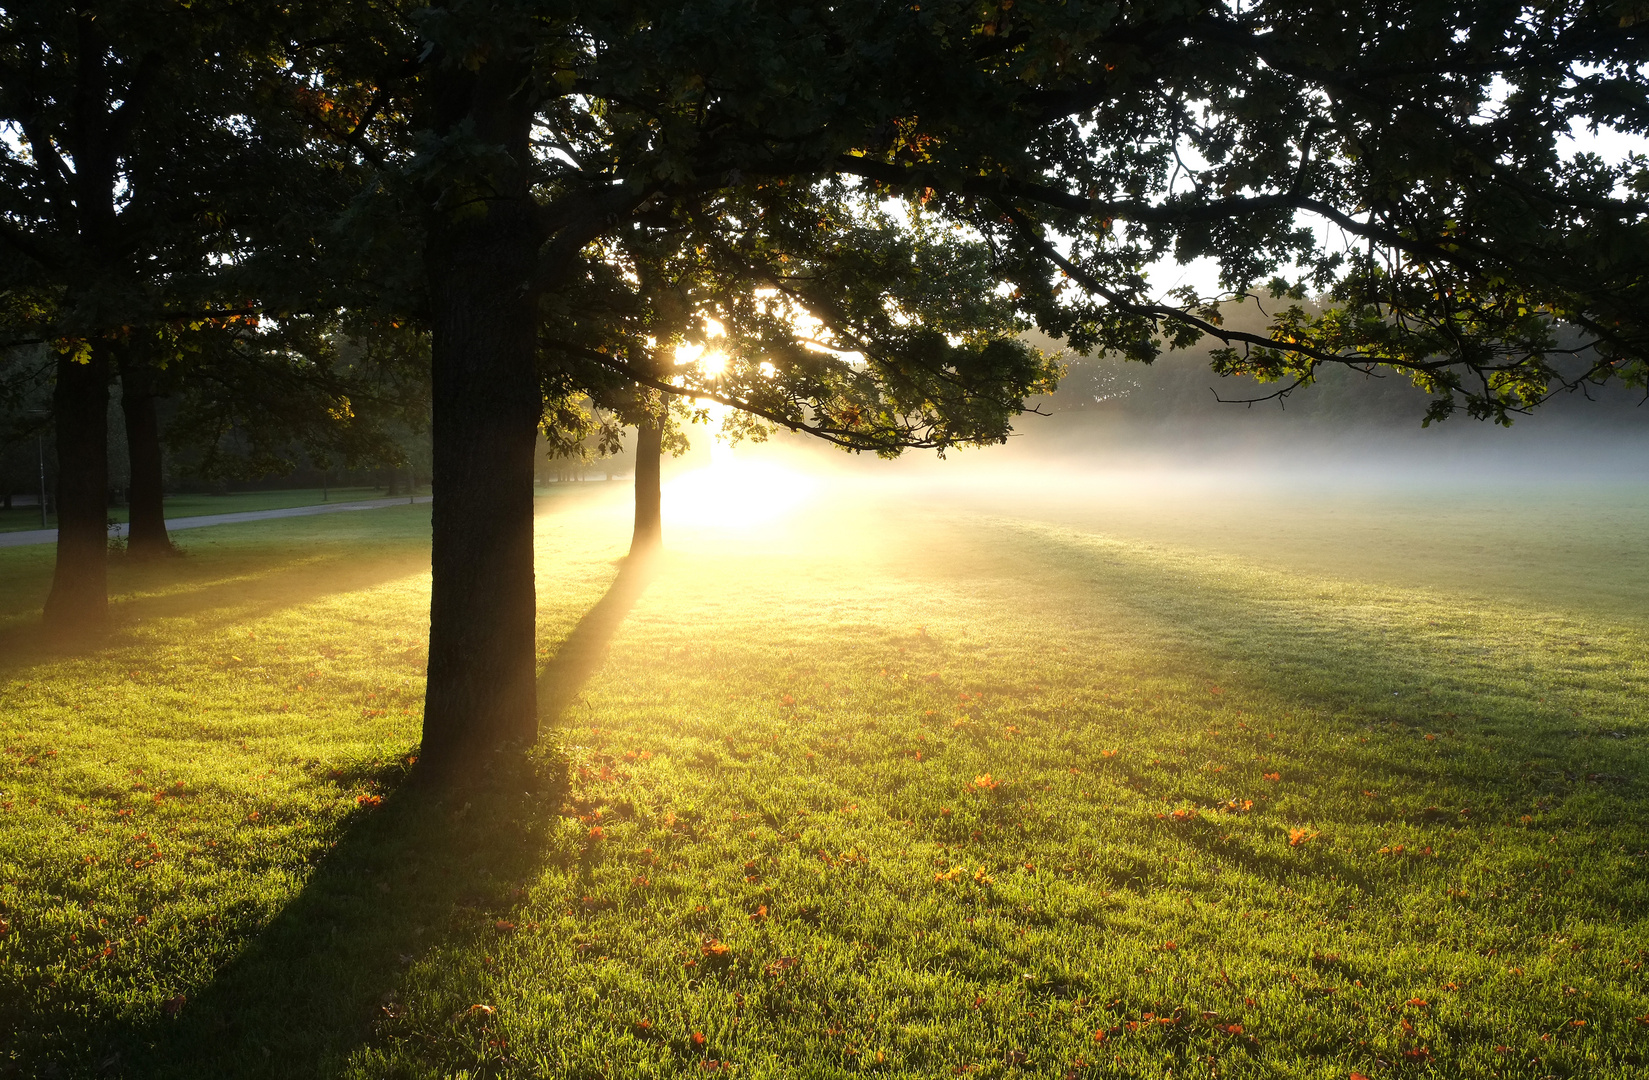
1037	777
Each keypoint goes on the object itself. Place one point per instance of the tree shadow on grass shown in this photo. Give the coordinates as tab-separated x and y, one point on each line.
209	604
584	650
431	866
1362	676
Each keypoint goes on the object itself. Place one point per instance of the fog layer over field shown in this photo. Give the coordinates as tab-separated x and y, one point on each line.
1340	479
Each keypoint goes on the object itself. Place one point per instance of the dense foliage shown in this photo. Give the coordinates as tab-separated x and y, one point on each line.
1404	164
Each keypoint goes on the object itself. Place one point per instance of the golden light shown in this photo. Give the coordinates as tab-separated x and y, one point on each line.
712	363
732	494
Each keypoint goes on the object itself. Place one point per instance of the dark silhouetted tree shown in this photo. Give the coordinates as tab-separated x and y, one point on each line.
141	183
1077	144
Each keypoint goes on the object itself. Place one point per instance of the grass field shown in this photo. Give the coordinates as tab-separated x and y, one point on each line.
1069	781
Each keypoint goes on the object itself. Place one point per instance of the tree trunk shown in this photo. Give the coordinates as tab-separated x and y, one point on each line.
78	604
147	537
649	534
480	257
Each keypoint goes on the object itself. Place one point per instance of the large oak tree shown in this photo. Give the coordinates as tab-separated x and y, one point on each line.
1079	142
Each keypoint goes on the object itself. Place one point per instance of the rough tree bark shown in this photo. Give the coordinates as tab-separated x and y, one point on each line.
480	258
96	133
147	537
649	531
78	604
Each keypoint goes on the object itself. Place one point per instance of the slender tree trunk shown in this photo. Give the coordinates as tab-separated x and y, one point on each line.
78	604
147	537
649	534
480	257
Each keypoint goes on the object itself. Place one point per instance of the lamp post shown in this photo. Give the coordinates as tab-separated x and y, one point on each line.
40	445
44	416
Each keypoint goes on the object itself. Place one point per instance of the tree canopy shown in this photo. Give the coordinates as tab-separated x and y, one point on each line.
154	214
1400	165
811	308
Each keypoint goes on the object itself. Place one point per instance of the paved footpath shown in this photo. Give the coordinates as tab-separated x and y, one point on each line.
49	536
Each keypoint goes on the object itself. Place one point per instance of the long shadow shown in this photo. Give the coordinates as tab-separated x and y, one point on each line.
1496	725
427	868
235	598
584	650
431	868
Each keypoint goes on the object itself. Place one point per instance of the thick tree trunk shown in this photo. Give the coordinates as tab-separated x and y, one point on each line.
480	688
480	258
147	537
649	533
78	604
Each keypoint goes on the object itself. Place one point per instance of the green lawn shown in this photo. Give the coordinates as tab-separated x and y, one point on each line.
1055	785
235	502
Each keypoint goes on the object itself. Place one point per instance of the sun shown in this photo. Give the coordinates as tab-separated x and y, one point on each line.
712	363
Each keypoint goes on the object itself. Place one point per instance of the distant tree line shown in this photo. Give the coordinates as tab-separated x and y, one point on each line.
206	444
1180	391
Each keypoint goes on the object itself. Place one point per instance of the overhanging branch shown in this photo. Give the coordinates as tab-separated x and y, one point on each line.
842	437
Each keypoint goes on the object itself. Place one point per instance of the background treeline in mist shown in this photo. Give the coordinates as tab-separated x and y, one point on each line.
1178	397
